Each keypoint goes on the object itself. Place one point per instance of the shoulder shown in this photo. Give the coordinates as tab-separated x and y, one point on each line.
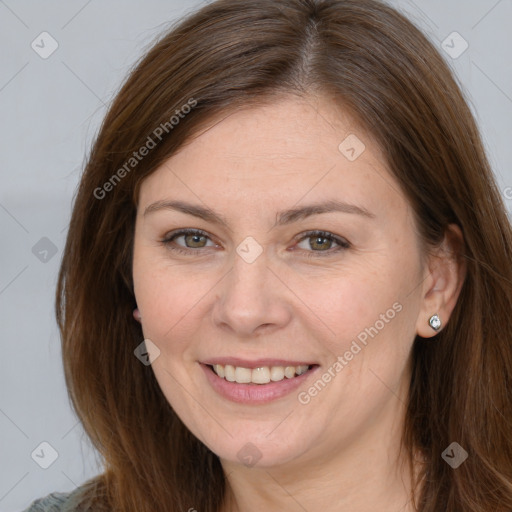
55	502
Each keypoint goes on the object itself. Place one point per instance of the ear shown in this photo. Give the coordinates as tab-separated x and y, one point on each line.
136	315
444	277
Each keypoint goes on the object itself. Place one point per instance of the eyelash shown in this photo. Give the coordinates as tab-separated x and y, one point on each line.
342	244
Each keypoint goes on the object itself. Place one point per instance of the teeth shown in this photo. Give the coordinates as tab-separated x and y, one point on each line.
229	372
243	375
289	372
301	369
276	373
262	375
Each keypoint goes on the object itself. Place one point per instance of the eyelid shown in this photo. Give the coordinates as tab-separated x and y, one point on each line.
184	231
321	232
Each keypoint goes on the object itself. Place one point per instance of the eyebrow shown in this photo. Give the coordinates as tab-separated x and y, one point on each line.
282	218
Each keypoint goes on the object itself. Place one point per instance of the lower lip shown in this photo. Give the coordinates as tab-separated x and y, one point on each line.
254	393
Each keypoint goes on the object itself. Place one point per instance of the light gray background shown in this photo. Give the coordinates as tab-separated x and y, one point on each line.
50	110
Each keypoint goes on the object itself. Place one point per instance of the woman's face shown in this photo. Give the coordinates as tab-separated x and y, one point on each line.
307	260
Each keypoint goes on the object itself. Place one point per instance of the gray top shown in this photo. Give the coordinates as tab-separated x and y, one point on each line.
55	502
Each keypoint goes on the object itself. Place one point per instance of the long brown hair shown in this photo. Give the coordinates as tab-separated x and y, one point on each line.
230	54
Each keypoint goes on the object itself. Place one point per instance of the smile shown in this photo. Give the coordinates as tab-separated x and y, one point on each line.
256	382
260	375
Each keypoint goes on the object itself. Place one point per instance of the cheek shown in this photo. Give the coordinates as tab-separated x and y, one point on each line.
368	311
172	300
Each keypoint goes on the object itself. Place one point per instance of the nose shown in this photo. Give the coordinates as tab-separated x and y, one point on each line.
251	299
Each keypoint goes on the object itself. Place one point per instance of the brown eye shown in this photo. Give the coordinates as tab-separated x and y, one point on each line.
322	242
192	239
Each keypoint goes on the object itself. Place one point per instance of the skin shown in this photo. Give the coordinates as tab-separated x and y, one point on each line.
340	450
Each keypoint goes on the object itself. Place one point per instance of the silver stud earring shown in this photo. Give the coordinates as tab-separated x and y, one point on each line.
435	322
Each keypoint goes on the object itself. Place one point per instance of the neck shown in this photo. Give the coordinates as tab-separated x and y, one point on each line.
320	488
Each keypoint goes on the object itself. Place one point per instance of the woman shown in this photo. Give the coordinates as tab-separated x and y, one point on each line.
287	279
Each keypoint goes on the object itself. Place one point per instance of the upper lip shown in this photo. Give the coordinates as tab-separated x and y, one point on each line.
255	363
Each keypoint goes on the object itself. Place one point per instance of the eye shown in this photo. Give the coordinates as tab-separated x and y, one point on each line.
322	242
192	238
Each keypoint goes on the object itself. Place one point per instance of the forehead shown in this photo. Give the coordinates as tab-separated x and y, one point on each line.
280	152
305	127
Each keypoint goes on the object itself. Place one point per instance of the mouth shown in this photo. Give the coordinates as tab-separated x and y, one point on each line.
259	375
256	382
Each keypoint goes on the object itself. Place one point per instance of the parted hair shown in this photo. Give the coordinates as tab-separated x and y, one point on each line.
228	55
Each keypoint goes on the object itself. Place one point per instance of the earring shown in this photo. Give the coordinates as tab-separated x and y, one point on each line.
435	322
136	315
